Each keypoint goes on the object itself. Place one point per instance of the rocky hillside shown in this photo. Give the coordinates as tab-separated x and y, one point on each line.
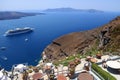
105	38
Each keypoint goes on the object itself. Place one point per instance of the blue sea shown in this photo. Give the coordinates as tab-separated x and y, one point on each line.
46	28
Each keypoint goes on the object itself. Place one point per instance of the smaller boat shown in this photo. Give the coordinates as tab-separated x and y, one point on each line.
3	48
4	58
36	60
26	39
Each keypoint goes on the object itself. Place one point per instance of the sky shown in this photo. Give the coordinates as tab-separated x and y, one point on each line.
16	5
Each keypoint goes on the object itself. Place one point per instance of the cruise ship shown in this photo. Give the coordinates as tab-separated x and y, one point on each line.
18	31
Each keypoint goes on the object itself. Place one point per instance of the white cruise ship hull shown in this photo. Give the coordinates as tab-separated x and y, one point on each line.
19	32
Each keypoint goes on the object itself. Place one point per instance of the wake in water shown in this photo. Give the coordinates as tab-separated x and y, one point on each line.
3	58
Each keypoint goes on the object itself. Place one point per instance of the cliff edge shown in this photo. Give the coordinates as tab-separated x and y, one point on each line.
105	38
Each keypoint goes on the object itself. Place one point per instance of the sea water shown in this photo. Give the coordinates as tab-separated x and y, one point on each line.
46	28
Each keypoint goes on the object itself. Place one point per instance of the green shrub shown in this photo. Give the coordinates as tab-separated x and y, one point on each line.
102	73
66	61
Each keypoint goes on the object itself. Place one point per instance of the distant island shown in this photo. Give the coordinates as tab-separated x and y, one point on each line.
15	15
72	10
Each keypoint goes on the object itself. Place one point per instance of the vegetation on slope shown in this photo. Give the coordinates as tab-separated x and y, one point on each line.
67	60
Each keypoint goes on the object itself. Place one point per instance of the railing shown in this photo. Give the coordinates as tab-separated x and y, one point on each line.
97	74
67	71
79	71
62	72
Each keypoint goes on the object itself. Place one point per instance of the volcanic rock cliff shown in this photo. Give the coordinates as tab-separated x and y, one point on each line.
105	38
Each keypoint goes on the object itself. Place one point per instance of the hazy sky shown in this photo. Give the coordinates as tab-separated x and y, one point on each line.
106	5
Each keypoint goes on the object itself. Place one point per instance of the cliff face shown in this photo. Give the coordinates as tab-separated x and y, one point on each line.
113	33
106	38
